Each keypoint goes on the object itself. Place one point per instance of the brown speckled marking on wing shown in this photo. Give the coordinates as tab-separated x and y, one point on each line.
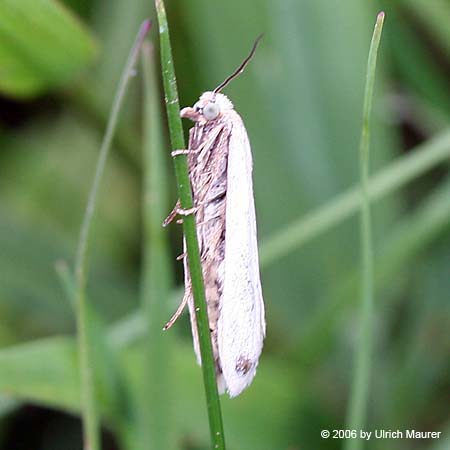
208	175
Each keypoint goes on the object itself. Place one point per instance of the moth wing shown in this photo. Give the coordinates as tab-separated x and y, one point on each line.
195	135
241	325
193	142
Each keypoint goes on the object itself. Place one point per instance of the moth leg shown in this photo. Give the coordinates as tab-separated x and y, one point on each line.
179	211
179	310
181	257
180	152
186	151
187	212
172	214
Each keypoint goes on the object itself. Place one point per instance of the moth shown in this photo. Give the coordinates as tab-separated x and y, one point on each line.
220	172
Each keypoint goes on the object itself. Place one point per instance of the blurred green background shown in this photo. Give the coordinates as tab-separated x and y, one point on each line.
301	100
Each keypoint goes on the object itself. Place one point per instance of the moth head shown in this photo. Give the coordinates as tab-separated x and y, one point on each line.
212	105
209	107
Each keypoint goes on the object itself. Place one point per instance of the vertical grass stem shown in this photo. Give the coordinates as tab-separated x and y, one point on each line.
361	379
91	429
190	234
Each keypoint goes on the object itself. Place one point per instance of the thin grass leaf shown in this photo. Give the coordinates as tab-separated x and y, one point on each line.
108	378
408	239
360	387
190	234
157	277
402	171
91	433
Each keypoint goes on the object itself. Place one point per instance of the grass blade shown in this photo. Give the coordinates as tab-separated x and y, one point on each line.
91	433
396	175
360	386
407	240
156	275
190	234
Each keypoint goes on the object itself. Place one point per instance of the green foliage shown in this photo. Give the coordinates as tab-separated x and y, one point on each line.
301	100
42	46
43	371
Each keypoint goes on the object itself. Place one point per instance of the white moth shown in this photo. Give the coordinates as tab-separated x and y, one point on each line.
220	171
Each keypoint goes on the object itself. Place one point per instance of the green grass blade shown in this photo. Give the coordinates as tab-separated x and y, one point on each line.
91	433
405	243
67	281
185	195
156	277
396	175
361	380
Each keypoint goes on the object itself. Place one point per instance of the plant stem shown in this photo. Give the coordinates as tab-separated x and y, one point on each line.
156	273
360	387
190	234
91	430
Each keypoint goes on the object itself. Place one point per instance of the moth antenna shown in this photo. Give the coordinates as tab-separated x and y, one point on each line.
241	68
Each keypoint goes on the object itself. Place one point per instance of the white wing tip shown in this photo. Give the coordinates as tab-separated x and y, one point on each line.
240	376
237	384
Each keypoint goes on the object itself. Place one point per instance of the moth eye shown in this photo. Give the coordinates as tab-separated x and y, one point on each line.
211	111
197	107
